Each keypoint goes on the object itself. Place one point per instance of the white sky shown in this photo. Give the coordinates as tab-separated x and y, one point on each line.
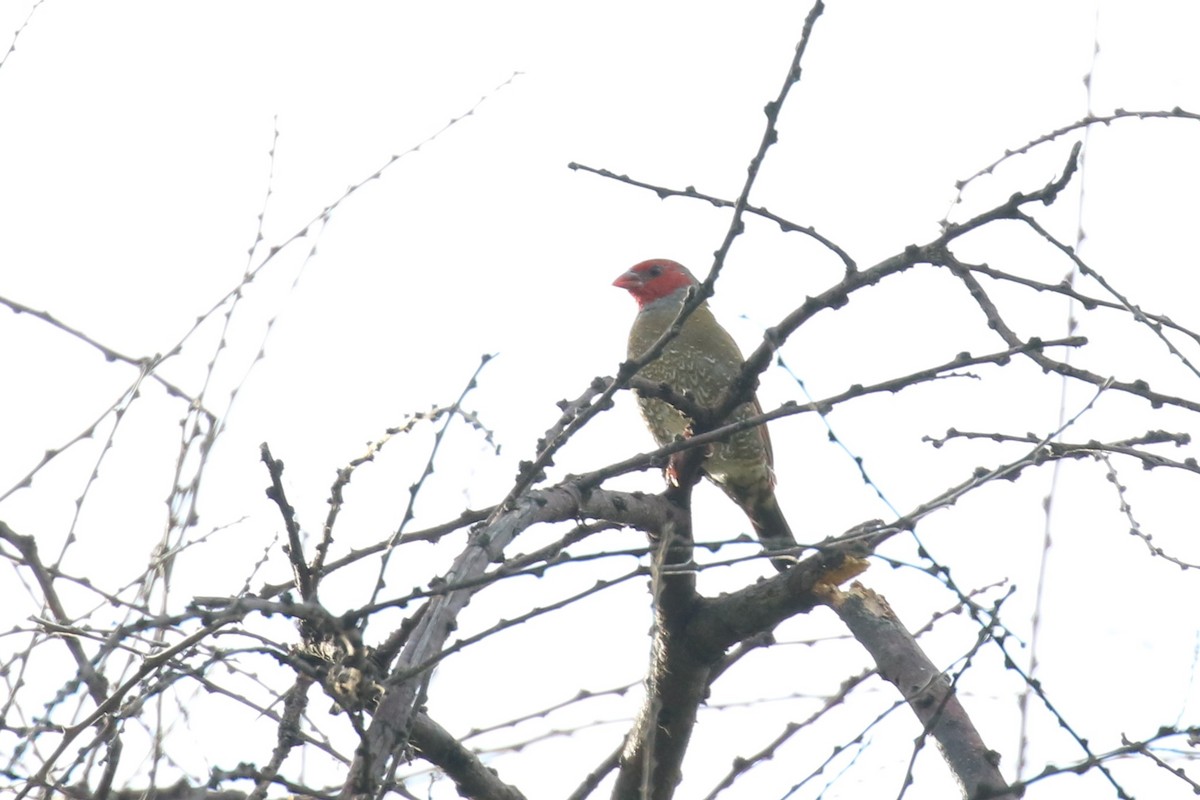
133	164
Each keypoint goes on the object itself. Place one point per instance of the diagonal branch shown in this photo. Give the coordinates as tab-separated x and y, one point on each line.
393	720
471	776
902	662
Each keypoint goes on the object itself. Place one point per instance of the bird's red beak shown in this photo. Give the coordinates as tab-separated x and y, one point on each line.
628	281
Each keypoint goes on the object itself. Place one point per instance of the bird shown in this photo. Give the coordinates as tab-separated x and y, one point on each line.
703	361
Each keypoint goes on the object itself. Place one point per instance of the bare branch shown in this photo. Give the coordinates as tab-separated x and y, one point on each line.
902	662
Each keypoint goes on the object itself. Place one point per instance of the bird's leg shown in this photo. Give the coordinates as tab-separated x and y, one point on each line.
683	468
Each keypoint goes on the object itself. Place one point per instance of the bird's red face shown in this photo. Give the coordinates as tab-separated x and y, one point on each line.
654	279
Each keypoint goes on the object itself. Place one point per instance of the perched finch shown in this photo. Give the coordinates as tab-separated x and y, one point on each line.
703	360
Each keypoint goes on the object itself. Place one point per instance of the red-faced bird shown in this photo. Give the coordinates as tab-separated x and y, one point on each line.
702	361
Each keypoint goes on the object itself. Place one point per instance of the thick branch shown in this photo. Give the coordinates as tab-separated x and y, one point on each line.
676	682
471	777
651	766
725	621
931	697
391	725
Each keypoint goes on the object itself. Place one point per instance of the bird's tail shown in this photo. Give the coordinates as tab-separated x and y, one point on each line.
773	530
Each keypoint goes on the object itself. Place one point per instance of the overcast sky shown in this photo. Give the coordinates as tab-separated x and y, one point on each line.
134	141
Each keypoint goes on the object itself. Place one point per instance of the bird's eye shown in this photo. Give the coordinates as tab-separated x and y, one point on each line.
654	271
